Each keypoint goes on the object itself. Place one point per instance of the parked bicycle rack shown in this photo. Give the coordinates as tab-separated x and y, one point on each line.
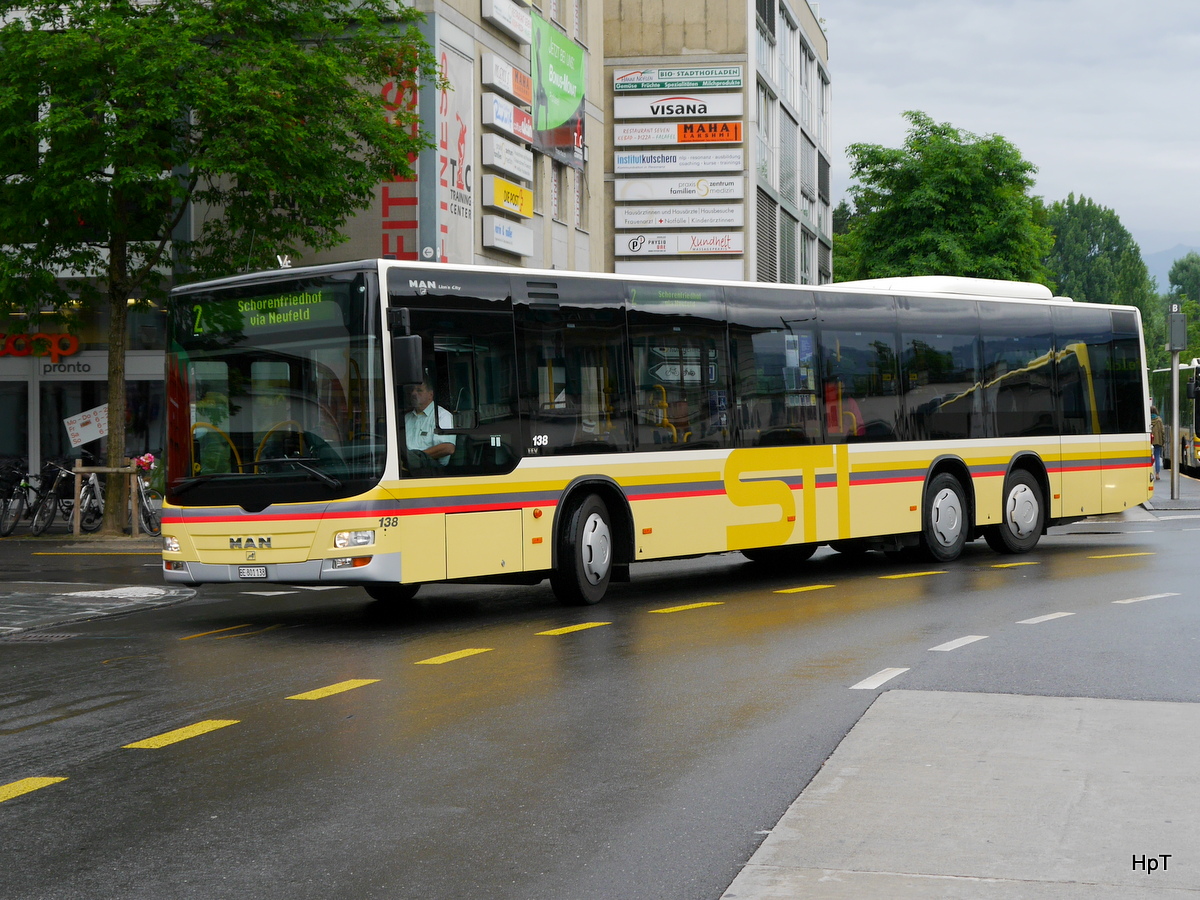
128	470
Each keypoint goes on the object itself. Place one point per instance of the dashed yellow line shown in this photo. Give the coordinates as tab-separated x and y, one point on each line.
181	734
25	786
226	637
809	587
1120	555
912	575
218	631
339	688
554	632
675	609
1014	565
451	657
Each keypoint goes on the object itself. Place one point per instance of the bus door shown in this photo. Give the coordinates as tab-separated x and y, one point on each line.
466	330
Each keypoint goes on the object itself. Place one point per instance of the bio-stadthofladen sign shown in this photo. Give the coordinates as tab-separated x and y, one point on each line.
678	78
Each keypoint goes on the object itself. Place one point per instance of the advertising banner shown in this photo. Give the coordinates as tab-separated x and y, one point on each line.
559	77
647	133
677	105
678	160
455	151
693	188
501	114
508	157
678	78
510	18
505	234
503	194
708	243
731	215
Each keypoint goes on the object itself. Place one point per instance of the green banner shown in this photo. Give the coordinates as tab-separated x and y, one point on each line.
559	70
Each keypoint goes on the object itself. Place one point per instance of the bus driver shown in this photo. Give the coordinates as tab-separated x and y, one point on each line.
424	443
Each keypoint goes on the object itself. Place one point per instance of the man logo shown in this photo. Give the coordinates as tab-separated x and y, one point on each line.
250	543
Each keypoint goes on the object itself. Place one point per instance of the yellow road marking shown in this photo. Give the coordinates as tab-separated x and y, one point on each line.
248	633
570	628
912	575
1014	565
810	587
674	609
450	657
181	734
25	786
97	553
1119	555
332	689
218	631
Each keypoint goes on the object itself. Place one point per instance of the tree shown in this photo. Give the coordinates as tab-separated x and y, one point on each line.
1096	260
947	203
1184	276
117	117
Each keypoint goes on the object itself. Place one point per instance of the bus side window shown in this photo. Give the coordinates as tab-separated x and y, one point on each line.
574	385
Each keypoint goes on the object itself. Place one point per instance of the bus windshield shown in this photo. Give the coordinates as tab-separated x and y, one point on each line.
283	384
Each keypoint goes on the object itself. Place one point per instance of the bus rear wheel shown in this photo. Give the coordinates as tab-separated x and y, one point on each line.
585	555
1023	517
944	527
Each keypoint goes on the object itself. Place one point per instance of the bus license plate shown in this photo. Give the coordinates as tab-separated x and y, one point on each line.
252	571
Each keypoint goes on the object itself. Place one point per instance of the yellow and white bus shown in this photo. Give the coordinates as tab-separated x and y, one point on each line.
601	420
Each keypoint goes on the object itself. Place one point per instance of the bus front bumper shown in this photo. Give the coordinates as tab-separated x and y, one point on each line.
381	568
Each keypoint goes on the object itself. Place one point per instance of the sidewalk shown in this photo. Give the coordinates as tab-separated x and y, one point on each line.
994	797
30	602
1189	493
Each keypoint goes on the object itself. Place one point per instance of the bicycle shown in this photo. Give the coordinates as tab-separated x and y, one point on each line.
91	503
149	500
16	499
53	498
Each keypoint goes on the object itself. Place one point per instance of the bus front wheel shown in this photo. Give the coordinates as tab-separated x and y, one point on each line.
392	593
1023	517
585	555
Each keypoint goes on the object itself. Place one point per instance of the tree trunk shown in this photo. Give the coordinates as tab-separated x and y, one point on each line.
116	487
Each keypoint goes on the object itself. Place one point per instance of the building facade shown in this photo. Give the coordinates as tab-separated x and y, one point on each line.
720	163
640	136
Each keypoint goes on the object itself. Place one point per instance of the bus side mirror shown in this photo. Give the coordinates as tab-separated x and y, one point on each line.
1191	390
406	359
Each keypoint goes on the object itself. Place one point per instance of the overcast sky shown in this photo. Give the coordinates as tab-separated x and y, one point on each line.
1102	96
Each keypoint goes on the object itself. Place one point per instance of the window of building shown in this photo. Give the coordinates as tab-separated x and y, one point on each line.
581	199
764	137
767	238
789	42
557	175
789	157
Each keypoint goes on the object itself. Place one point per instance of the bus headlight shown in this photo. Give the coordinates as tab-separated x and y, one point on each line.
170	544
353	539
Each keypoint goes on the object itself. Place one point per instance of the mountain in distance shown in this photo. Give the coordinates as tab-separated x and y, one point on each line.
1159	264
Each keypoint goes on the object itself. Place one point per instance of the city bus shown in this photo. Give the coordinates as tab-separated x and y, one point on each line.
599	420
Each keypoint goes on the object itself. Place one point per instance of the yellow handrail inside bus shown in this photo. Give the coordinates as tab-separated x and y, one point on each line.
237	456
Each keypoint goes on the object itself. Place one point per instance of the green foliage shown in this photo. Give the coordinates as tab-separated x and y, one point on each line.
1185	276
116	115
1096	260
947	203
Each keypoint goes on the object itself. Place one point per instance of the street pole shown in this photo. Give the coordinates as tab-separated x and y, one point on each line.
1176	341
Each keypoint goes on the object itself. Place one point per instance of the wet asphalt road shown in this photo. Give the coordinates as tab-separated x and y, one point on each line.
641	757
